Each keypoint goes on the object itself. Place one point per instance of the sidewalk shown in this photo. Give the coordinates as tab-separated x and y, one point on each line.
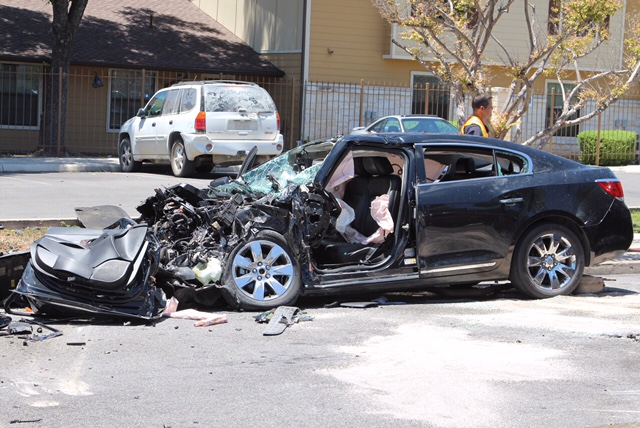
20	165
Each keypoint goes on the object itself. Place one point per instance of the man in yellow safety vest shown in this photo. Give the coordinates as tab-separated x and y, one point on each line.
477	123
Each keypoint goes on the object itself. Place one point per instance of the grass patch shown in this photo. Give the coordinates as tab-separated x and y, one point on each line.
12	241
635	217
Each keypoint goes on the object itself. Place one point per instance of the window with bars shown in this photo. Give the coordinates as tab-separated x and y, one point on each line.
19	96
430	96
127	96
555	101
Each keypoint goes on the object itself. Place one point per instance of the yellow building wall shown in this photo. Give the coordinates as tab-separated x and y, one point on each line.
350	41
347	43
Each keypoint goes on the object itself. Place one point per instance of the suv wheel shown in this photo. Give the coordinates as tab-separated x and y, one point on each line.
180	165
125	156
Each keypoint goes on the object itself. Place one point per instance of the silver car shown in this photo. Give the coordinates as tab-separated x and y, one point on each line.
195	125
408	123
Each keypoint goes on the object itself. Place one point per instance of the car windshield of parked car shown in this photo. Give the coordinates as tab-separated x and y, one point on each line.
219	98
299	165
431	125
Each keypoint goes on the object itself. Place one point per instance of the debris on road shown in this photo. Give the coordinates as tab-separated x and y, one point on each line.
203	319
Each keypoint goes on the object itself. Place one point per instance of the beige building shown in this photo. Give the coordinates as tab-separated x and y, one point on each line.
353	73
330	65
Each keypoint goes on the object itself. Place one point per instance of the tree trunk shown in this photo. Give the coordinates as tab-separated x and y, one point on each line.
460	104
67	15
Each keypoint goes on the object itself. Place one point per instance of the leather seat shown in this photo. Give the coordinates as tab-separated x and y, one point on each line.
464	168
374	177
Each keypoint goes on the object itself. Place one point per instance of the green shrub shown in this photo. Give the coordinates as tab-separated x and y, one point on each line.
617	147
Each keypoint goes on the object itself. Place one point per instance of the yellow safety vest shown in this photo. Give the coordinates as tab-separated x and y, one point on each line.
475	120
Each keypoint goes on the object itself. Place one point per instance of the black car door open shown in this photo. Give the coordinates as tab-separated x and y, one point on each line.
470	202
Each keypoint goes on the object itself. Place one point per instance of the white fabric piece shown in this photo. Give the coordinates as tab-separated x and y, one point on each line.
379	212
202	319
343	173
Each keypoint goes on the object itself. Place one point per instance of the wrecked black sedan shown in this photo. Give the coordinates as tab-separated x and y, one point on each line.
392	212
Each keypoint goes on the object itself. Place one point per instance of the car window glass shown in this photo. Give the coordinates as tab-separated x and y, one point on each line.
299	165
392	125
378	127
156	103
443	165
444	127
219	98
188	99
510	164
414	125
171	102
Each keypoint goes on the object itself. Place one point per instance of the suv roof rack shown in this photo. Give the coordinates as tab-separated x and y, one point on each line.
214	81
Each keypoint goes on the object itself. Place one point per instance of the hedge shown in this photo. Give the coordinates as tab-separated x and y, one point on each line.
617	147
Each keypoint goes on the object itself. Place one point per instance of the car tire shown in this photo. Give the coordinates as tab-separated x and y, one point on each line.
261	273
548	261
180	165
125	156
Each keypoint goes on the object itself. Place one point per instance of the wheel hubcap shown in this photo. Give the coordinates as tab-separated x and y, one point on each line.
178	156
126	155
552	261
262	270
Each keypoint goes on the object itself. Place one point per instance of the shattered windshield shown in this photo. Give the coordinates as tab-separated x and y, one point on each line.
299	165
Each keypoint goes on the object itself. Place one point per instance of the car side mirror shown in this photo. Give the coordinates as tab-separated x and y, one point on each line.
141	113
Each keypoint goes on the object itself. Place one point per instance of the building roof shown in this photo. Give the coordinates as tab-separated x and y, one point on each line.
157	35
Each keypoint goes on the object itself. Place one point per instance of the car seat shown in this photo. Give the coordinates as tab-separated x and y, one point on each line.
464	168
374	177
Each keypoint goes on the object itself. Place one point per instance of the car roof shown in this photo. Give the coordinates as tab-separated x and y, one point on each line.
408	116
215	82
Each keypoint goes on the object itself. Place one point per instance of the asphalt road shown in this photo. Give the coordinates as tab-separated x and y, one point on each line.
56	195
437	362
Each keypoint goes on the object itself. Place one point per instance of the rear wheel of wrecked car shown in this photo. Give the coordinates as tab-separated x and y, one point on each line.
125	155
180	165
262	273
548	262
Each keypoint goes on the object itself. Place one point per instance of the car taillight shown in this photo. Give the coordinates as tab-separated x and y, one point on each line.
612	187
278	120
201	122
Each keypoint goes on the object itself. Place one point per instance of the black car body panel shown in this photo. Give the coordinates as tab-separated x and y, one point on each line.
452	209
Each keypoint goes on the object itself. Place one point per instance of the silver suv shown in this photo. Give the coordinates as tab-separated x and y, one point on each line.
195	125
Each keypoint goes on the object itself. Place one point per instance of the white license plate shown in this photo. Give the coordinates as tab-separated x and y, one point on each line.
243	125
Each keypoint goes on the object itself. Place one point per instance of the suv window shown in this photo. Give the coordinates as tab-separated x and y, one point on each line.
171	102
188	100
156	103
253	99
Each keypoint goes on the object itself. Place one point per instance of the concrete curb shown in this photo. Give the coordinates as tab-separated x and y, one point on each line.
18	165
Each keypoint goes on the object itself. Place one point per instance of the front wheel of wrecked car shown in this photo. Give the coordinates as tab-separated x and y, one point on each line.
261	273
548	262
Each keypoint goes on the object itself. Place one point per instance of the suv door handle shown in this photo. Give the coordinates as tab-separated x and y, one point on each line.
510	201
171	122
153	124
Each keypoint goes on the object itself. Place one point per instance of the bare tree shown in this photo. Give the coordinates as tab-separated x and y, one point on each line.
450	39
67	15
